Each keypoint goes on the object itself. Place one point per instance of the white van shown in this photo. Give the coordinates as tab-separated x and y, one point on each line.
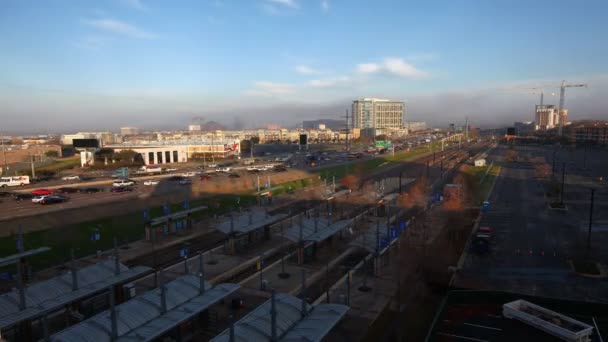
14	181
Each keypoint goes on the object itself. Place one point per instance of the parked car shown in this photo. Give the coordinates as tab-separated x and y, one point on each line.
280	168
151	182
120	189
91	190
185	181
222	169
38	199
171	169
5	194
234	175
67	178
188	174
123	183
54	199
21	197
212	165
66	190
42	192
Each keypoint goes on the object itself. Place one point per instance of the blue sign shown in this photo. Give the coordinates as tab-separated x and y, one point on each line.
19	244
485	206
186	204
166	209
95	236
184	252
266	185
383	242
437	197
393	233
6	275
146	214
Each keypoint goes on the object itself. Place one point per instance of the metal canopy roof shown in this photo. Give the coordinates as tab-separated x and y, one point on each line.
183	213
323	230
142	318
57	292
256	325
368	240
248	222
317	323
11	259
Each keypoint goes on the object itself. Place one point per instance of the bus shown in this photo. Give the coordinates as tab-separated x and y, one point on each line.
14	181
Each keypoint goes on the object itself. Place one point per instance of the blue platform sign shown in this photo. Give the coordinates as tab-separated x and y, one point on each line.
383	242
485	206
6	275
146	214
393	233
184	252
166	209
266	185
95	236
186	204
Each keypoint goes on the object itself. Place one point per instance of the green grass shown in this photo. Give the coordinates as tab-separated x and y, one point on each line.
58	166
366	166
481	182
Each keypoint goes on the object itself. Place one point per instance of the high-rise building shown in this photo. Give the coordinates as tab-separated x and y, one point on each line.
378	113
546	117
129	131
194	127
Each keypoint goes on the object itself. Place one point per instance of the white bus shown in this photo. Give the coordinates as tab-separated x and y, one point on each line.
14	181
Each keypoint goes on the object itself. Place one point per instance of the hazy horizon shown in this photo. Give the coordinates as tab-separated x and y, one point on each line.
77	66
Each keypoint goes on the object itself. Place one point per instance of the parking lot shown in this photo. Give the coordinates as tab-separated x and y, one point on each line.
532	245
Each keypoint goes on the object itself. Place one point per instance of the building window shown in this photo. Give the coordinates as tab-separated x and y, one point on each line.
167	156
175	160
150	157
159	156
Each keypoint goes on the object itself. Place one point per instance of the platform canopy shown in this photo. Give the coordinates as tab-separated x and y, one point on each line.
315	229
11	259
248	221
369	240
55	293
142	318
291	325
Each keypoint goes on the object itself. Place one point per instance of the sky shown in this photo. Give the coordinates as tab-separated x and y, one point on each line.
70	65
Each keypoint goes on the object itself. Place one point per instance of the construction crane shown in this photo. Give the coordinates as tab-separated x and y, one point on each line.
562	99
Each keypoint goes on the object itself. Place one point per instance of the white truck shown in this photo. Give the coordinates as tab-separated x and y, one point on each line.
150	169
14	181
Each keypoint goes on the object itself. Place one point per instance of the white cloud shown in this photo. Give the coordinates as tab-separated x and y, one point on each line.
121	28
137	4
395	66
325	6
288	3
264	88
367	68
328	82
306	70
402	68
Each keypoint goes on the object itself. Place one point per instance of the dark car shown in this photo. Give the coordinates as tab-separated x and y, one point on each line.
22	197
175	178
6	194
66	190
234	175
54	199
280	168
121	189
91	190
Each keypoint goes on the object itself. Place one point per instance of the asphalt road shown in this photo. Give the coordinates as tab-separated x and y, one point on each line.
532	245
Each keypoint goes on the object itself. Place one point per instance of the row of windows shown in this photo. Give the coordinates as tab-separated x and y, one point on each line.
159	157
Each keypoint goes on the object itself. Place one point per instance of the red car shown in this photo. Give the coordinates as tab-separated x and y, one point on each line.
42	192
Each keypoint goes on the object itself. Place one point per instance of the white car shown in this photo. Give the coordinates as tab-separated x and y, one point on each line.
171	170
151	182
269	166
66	178
123	182
39	199
222	169
189	174
251	168
212	165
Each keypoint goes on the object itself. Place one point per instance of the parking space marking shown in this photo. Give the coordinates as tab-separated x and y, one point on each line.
463	337
482	326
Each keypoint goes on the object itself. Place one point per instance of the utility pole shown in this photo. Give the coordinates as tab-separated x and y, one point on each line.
4	166
33	167
561	193
590	222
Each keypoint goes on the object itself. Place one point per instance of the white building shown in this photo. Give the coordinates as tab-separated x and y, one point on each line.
194	127
547	117
129	131
414	126
377	113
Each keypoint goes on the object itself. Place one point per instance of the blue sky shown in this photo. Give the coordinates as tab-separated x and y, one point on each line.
152	62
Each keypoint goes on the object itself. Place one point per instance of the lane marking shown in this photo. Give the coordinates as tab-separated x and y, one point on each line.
482	326
463	337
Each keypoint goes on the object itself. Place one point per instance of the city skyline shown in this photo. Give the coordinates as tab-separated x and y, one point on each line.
77	66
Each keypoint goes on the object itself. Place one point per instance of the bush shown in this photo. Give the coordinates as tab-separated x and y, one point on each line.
52	154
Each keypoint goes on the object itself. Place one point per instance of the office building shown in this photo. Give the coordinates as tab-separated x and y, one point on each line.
546	117
124	131
378	113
